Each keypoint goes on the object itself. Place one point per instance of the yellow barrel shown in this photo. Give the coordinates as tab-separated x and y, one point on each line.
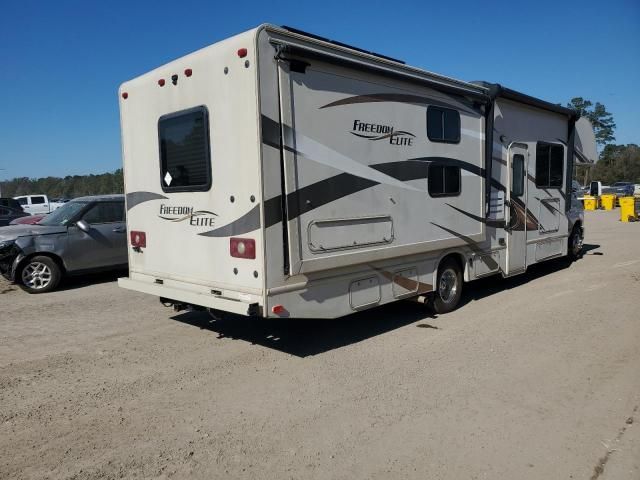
608	201
590	203
627	209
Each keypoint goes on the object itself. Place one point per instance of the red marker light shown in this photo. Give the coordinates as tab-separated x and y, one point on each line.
188	72
138	239
161	82
125	95
242	247
242	52
278	309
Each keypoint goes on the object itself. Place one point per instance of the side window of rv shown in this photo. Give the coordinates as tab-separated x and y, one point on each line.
443	125
185	156
443	181
549	165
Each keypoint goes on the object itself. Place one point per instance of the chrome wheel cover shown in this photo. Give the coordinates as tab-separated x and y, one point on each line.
576	244
36	275
448	285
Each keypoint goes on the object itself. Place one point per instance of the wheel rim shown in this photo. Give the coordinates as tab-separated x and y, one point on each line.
448	286
577	242
36	275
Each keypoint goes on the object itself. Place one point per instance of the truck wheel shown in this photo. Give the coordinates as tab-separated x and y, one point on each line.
448	288
576	240
40	275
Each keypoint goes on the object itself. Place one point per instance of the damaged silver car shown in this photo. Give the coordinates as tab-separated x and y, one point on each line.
87	234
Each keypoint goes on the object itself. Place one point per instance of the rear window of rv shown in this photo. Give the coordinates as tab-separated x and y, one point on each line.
549	165
443	125
185	156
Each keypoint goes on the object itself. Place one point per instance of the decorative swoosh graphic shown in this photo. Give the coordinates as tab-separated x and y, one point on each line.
408	284
487	222
400	98
491	263
382	137
136	198
249	222
189	215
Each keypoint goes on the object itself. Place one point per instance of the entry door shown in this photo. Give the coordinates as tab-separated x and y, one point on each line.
516	214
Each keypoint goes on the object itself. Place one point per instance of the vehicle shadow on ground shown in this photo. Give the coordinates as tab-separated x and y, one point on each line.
306	337
494	284
85	280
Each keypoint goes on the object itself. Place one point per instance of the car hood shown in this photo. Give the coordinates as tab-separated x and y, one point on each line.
12	232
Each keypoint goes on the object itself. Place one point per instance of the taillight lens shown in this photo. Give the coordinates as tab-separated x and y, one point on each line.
138	239
242	247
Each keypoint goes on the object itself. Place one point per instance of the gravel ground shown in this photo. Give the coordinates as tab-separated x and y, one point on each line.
535	377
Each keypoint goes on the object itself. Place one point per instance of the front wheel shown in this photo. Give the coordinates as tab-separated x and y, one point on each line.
448	289
40	275
576	240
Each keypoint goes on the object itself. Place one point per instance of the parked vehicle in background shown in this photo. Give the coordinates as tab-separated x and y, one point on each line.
636	189
35	204
27	219
86	234
622	189
11	203
8	214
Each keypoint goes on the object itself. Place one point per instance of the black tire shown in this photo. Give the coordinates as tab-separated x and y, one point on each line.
39	274
448	287
574	248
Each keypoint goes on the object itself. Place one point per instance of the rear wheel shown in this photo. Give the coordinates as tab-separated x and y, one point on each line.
576	239
40	275
448	288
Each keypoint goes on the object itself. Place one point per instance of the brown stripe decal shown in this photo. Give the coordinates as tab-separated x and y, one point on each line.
404	282
398	98
491	263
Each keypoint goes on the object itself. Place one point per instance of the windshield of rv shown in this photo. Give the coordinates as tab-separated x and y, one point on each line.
63	215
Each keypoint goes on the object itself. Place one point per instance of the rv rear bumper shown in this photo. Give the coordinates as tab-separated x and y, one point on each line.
194	298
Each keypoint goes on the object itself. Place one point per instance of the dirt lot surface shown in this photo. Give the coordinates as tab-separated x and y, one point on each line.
535	377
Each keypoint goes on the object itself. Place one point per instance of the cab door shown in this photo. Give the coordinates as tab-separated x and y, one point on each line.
516	214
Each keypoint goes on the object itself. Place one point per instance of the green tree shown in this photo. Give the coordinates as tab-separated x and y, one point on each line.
618	163
601	120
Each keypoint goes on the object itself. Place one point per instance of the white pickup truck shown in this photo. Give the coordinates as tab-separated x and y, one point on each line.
37	204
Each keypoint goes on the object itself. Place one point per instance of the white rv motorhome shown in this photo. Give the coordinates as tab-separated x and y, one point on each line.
277	173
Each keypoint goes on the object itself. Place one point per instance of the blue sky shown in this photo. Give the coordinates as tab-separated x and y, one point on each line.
61	61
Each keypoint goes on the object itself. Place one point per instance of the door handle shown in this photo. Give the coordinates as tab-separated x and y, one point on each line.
119	229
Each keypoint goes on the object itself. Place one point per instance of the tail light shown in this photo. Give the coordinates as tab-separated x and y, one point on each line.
138	239
242	247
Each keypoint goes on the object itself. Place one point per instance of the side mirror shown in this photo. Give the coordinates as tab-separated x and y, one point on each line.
82	225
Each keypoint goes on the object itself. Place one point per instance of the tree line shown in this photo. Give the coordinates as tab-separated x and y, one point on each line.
71	186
